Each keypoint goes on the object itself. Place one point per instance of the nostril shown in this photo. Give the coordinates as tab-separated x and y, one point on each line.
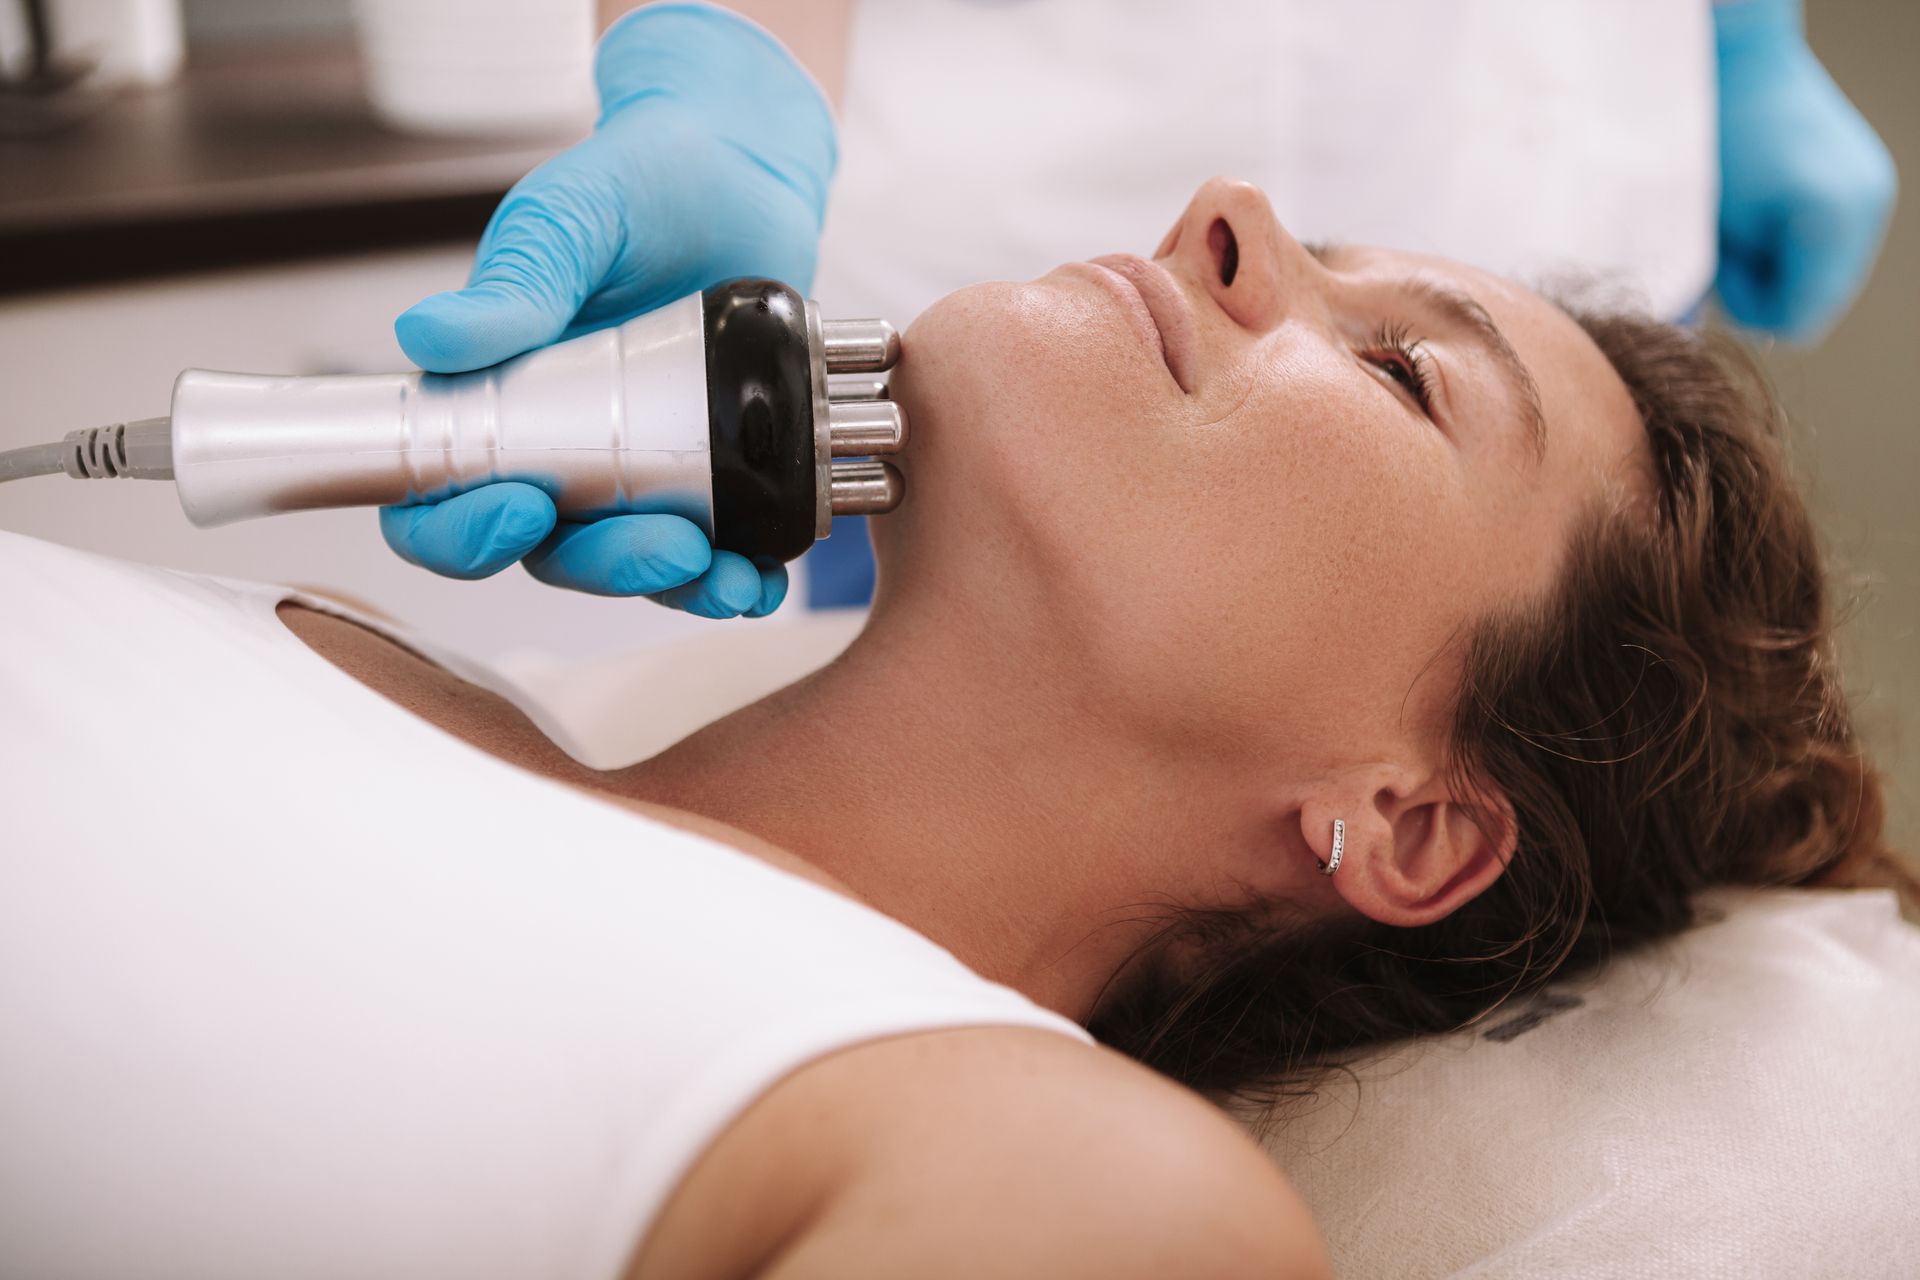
1226	249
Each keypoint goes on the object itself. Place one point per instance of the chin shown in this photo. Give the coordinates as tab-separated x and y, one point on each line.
1023	403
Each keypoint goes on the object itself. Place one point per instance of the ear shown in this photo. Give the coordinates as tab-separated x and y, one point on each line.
1415	854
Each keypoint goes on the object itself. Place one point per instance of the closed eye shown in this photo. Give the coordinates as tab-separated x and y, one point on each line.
1405	361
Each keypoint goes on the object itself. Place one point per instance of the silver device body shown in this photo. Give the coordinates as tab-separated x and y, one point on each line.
611	422
608	423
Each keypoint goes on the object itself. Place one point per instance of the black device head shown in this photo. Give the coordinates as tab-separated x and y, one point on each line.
760	418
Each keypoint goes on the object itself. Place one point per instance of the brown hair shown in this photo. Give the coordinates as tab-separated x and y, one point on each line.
1670	718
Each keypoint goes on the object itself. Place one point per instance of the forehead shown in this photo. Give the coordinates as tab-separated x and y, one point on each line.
1592	427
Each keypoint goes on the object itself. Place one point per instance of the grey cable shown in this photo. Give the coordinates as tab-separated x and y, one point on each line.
34	460
140	450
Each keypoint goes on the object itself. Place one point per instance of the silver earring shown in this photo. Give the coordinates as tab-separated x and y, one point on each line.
1332	864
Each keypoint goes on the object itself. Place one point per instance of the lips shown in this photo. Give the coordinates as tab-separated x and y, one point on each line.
1166	304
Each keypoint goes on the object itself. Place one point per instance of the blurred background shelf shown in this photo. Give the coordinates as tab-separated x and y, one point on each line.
254	154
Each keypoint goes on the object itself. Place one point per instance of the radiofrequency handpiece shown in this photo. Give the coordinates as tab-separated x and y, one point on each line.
717	408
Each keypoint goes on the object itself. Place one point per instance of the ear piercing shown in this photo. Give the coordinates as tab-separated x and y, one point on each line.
1332	864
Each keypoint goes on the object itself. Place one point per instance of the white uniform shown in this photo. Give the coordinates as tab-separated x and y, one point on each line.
994	139
293	983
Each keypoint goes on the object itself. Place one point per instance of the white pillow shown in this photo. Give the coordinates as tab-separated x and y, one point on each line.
1739	1101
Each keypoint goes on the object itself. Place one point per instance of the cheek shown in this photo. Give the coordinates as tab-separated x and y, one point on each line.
1317	540
1318	475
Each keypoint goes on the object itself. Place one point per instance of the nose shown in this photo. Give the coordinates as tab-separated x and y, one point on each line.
1230	243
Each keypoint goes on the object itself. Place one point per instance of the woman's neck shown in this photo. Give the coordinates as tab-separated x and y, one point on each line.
953	788
957	786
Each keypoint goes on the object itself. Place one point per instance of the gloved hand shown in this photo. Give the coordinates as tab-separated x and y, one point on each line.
711	159
1806	184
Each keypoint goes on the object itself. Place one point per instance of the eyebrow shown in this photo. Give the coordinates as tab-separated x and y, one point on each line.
1461	311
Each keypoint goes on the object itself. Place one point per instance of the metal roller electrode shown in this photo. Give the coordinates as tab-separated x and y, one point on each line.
730	407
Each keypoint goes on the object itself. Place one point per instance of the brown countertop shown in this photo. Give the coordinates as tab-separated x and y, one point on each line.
250	156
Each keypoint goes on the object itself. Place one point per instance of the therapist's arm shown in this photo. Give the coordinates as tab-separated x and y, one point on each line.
815	31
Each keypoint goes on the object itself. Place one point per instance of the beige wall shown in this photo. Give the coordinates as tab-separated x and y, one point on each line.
1856	402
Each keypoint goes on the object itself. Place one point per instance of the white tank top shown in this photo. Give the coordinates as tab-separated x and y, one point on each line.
293	983
993	139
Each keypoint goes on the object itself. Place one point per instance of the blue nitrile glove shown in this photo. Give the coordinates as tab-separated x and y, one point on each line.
711	160
1806	186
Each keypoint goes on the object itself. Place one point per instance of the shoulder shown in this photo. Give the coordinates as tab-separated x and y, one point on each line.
1017	1151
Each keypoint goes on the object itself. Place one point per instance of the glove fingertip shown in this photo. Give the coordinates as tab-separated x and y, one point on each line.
726	590
430	342
472	328
735	581
773	589
521	523
680	546
398	526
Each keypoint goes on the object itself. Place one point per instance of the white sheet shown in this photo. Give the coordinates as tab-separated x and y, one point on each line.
1738	1102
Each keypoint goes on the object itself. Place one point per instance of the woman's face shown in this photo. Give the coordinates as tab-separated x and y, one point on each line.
1254	490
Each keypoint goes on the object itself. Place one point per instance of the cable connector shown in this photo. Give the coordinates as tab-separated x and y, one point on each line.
140	450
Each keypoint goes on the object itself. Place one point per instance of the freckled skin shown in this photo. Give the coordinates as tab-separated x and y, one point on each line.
1292	544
